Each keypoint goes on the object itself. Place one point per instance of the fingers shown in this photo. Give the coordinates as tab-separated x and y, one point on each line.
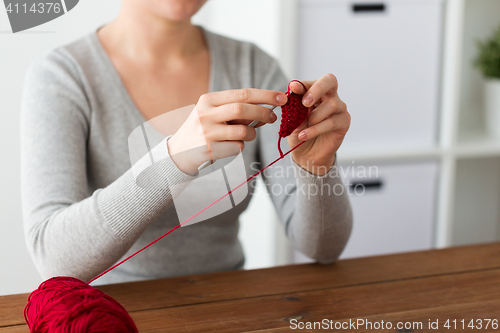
241	112
224	149
327	108
251	96
246	123
231	133
298	88
336	123
239	133
327	84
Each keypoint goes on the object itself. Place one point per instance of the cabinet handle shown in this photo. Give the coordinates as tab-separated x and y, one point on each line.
368	184
368	7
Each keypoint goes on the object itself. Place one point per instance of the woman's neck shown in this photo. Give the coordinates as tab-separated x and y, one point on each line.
145	38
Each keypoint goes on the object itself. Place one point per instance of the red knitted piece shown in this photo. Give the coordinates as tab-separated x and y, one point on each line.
293	113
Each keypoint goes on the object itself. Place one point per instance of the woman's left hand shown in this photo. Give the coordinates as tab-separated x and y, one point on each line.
324	129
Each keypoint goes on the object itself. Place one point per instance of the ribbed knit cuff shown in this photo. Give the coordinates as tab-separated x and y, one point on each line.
327	185
143	193
334	171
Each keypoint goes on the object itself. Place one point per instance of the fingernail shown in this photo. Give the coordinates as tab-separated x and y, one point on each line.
303	136
308	99
273	117
281	98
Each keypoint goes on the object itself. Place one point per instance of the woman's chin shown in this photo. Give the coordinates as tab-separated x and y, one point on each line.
174	10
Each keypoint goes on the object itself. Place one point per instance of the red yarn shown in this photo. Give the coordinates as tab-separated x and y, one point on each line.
68	305
195	215
293	113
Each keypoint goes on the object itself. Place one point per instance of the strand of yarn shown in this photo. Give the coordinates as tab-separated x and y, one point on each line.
195	215
293	113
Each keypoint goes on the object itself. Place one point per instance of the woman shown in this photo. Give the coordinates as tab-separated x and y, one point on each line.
83	210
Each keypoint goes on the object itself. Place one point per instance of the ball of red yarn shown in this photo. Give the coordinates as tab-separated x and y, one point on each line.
66	304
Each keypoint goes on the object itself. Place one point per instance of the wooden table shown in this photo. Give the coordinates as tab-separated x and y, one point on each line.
456	283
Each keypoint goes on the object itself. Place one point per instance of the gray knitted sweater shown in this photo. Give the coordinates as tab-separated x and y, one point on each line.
82	208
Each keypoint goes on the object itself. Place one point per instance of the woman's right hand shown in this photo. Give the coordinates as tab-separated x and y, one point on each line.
218	126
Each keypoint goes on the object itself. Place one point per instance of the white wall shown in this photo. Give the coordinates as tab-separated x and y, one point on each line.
476	209
252	20
17	272
480	22
255	20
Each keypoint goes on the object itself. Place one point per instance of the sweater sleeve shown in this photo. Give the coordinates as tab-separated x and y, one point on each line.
314	210
69	231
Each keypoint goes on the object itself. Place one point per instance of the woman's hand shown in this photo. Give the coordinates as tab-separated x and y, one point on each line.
325	127
218	126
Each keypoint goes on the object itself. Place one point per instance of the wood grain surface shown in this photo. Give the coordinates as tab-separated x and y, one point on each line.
454	283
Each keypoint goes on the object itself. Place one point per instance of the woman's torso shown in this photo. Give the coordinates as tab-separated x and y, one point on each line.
204	247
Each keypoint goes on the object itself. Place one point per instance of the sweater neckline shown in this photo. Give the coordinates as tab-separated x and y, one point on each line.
120	86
